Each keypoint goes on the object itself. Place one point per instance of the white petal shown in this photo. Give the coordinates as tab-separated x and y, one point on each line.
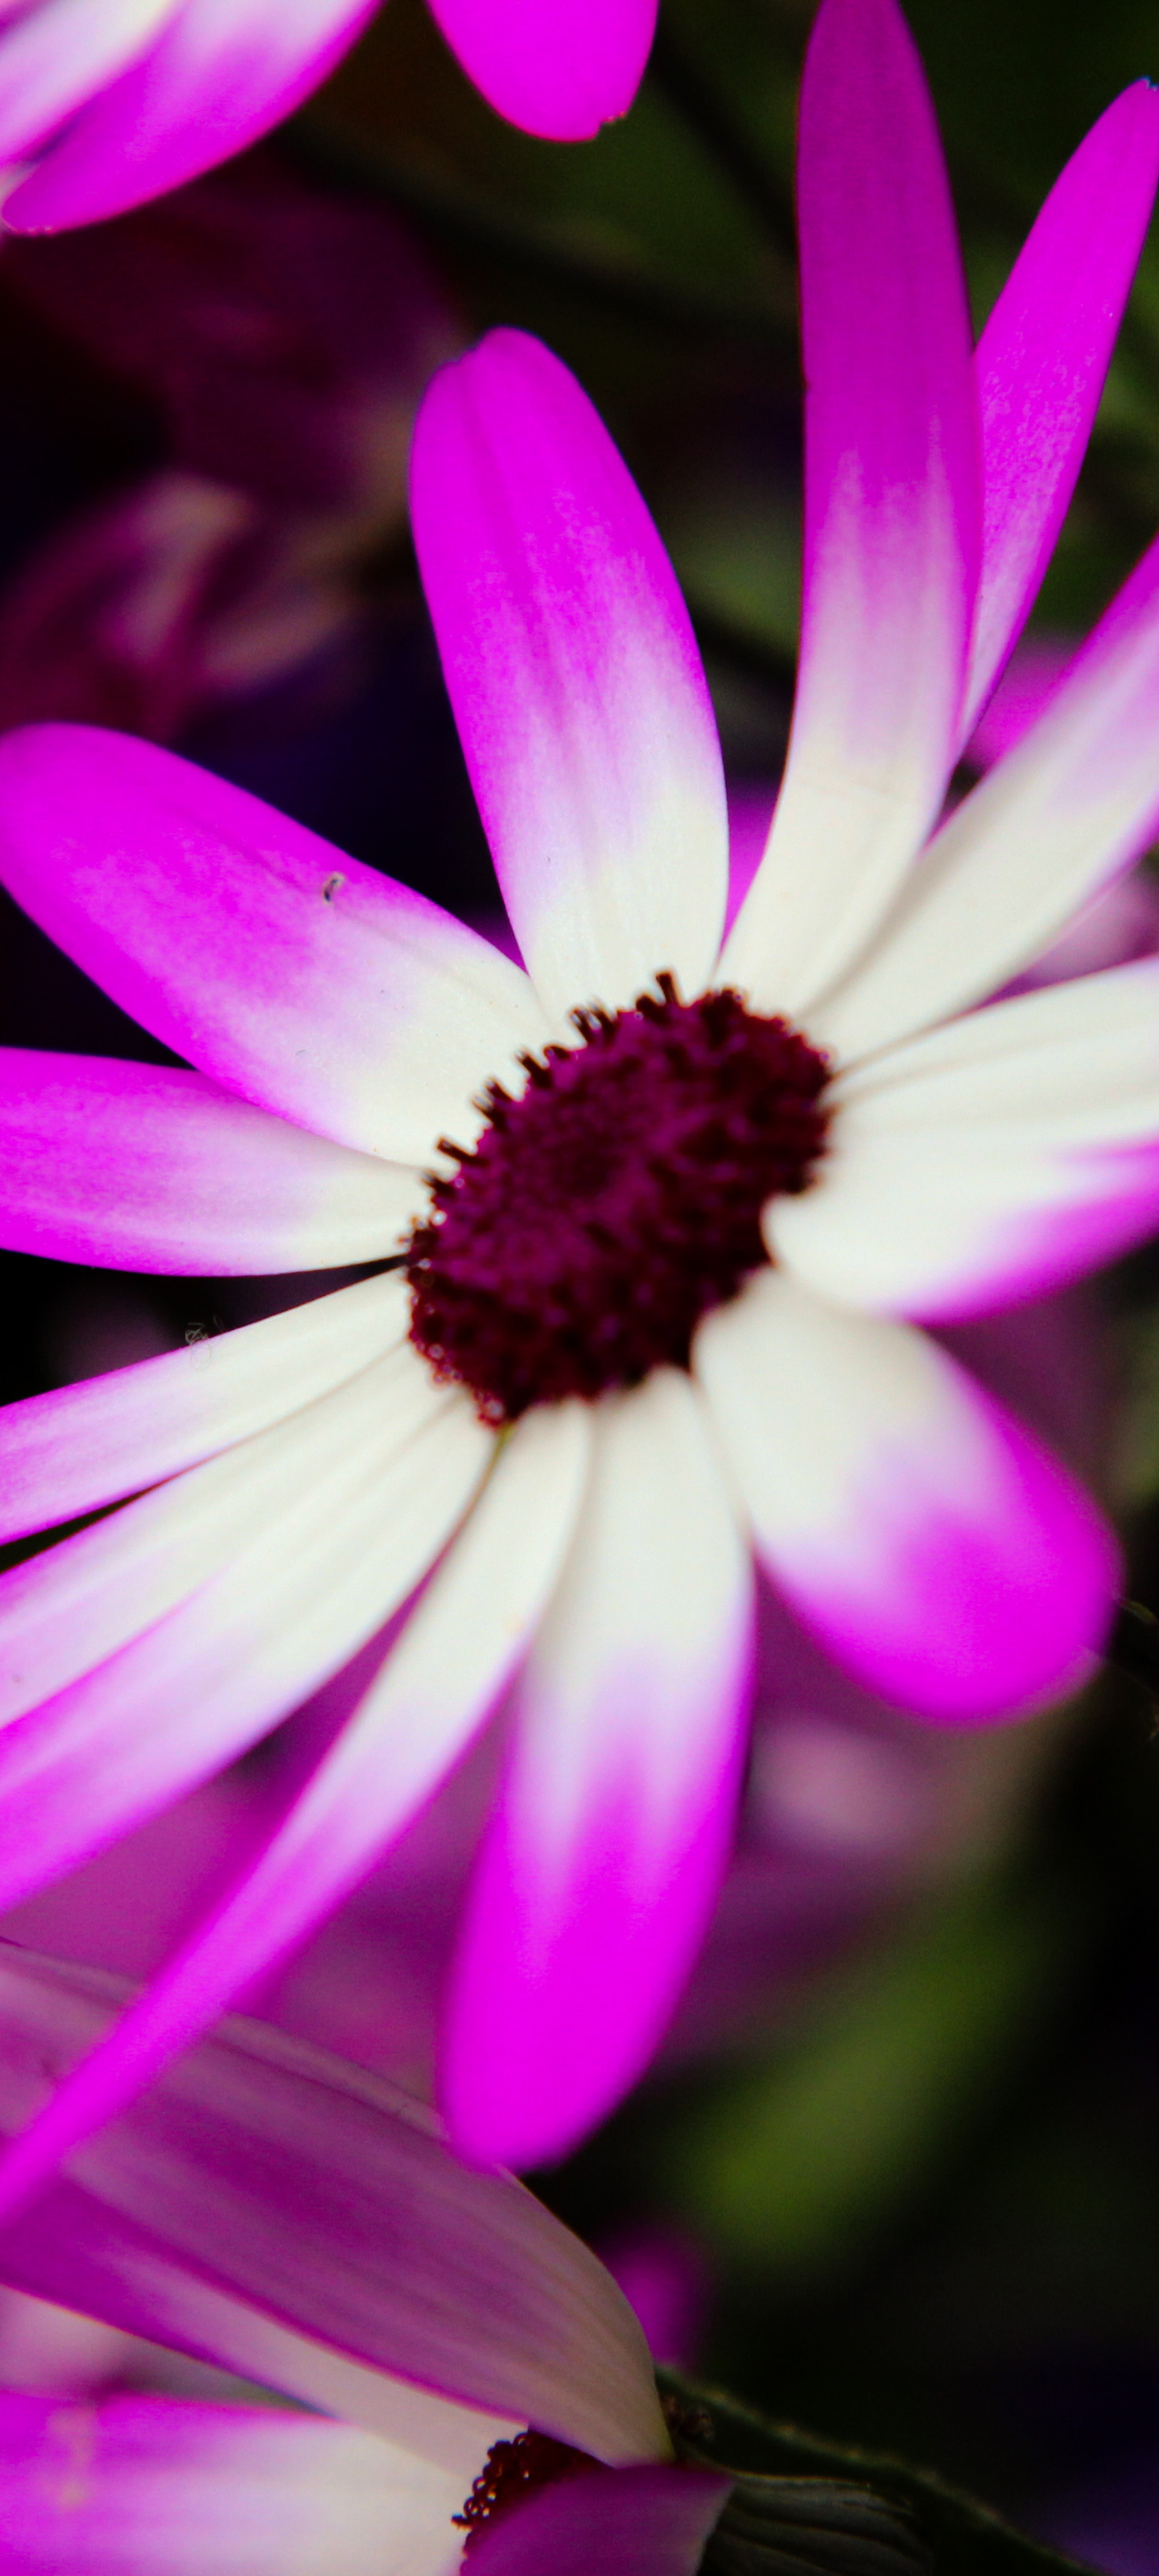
64	1453
990	1159
603	1862
915	1527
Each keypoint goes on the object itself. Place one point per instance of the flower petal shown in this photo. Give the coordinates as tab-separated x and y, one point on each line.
65	1453
991	1159
280	968
459	1647
1073	802
915	1527
601	1867
301	2221
1041	362
371	1494
626	2522
136	1167
65	1610
56	54
218	74
892	509
574	676
547	69
151	2486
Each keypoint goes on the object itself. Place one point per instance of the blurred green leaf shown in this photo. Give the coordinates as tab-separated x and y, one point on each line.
802	2156
907	2516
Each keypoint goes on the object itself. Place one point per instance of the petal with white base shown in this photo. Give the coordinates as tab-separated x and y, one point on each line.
892	509
282	969
458	1649
137	1167
67	1452
1074	801
921	1534
574	676
301	2221
368	1502
151	2486
989	1160
602	1862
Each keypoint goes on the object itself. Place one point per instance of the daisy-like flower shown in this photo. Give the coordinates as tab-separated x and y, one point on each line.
114	101
658	1310
301	2224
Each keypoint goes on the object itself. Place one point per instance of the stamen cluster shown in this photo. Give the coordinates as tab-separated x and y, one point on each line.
617	1200
513	2470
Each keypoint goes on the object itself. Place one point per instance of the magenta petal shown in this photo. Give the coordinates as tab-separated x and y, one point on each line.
303	2223
1041	363
278	966
574	676
892	508
154	2486
601	1867
626	2522
220	73
140	1168
553	69
916	1528
362	1503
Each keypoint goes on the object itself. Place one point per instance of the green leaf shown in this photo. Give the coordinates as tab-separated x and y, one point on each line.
805	2507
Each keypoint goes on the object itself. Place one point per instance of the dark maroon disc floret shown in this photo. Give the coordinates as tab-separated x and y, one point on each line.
617	1200
512	2472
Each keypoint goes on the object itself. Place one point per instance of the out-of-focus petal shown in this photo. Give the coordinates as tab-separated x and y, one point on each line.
993	1158
915	1527
545	66
371	1493
61	51
1076	799
626	2522
602	1863
574	676
66	1452
1041	362
459	1647
149	2486
216	75
302	2222
137	1167
279	967
892	509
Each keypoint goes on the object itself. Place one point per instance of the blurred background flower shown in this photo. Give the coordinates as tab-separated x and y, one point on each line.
896	2175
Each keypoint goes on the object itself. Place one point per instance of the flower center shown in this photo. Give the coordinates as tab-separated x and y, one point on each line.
512	2471
617	1200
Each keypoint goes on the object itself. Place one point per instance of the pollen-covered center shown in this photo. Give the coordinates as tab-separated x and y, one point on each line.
617	1200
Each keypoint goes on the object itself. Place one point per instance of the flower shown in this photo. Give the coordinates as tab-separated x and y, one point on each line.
115	101
302	2224
562	1424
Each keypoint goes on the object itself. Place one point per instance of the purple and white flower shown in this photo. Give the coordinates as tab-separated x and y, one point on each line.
660	1307
115	101
302	2225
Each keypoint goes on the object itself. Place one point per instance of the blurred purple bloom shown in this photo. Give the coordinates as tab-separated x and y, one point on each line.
116	101
295	2221
284	340
435	1432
